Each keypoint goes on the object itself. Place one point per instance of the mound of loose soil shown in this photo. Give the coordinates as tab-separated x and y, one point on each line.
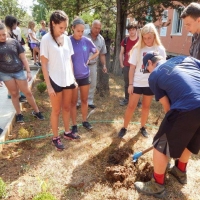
124	175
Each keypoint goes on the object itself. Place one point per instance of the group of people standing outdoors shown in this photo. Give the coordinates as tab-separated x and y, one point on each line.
176	85
69	63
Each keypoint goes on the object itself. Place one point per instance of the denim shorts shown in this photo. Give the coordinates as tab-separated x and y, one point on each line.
9	76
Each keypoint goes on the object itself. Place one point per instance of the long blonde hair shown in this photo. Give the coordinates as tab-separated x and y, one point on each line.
31	25
148	28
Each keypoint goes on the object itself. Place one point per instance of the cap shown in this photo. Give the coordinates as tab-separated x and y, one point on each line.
147	57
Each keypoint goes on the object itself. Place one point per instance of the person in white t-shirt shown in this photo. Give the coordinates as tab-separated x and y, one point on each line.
56	51
138	81
18	33
34	43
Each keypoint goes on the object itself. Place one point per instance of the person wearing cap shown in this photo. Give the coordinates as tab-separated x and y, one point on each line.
138	82
126	45
176	85
99	42
84	51
191	19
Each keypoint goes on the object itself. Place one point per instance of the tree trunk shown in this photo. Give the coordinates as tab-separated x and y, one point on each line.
120	32
102	78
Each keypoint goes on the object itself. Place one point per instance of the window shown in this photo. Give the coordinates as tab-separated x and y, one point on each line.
127	22
165	16
177	22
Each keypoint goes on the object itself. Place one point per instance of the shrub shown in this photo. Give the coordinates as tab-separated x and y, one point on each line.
23	133
41	87
41	76
2	188
44	196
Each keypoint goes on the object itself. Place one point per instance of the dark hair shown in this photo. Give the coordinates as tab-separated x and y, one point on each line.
2	26
156	58
131	25
77	21
192	10
57	17
10	21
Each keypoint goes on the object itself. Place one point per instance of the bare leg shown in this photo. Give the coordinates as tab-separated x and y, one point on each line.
132	104
23	86
34	55
14	92
73	105
84	90
66	105
146	103
36	50
159	161
56	102
185	156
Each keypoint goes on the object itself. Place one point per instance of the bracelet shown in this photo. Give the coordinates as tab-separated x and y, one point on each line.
130	84
28	72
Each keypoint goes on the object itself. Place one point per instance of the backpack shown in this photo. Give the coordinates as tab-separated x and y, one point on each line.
125	43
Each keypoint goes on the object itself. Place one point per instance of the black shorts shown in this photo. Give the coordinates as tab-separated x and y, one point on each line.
57	88
178	130
82	82
143	90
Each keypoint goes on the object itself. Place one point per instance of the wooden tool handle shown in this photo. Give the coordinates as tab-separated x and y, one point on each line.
147	150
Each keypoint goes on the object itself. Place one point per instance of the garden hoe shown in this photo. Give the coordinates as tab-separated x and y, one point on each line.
139	154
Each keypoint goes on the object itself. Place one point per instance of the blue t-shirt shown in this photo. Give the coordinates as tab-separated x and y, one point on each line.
82	49
179	80
42	32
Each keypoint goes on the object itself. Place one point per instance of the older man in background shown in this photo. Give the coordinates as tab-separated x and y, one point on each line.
99	42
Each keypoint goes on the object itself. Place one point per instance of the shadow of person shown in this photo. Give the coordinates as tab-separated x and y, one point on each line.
92	171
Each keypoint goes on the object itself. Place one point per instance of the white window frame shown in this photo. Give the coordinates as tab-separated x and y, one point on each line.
165	16
177	21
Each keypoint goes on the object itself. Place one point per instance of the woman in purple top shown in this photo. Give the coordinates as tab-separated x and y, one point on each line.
84	51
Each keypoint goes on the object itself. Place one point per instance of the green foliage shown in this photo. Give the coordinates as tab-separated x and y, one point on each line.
44	196
2	188
88	17
41	77
41	11
11	7
41	87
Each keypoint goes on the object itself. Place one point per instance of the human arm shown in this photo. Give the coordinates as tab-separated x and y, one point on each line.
44	62
131	77
32	36
94	55
23	58
103	62
121	56
76	84
165	103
